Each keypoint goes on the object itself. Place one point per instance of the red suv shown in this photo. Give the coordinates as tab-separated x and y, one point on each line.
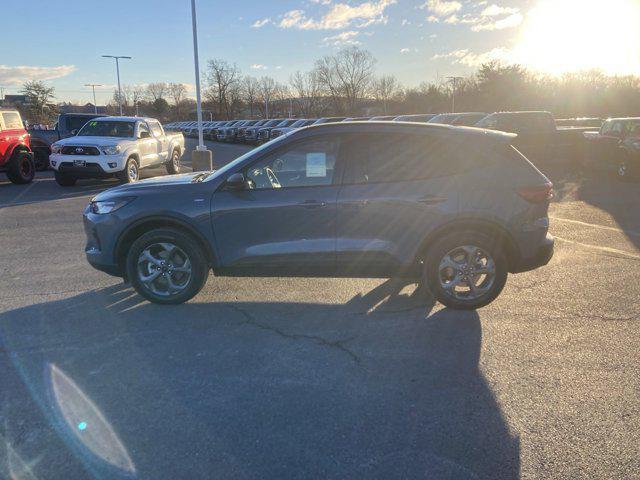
16	158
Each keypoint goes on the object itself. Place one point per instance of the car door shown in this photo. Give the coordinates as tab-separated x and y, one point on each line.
147	145
11	132
162	142
394	192
283	222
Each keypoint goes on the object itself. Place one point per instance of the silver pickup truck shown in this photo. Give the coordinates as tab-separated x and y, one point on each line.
115	147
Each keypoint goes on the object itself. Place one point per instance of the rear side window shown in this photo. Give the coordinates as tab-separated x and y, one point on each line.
11	121
385	158
155	129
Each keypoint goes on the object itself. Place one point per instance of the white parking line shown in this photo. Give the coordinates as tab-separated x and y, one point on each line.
614	251
19	196
595	225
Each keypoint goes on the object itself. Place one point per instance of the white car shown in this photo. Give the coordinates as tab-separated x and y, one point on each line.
115	147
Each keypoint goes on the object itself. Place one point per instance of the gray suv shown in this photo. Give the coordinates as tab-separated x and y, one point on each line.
454	208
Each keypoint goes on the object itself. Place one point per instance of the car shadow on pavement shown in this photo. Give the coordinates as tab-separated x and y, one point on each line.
103	384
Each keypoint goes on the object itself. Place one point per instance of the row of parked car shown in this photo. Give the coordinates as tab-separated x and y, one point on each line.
257	132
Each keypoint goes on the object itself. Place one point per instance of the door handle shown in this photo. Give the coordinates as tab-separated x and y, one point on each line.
312	204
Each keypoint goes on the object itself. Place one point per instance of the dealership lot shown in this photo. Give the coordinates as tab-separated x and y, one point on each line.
320	378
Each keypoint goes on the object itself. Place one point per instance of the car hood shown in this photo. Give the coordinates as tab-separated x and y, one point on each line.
151	185
94	141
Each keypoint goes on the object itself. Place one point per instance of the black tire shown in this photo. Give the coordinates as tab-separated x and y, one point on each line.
41	159
442	247
65	180
173	165
21	168
131	172
188	245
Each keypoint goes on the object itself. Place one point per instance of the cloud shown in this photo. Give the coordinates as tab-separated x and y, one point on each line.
508	22
405	50
340	15
471	59
261	23
22	73
495	10
492	17
258	66
442	8
344	38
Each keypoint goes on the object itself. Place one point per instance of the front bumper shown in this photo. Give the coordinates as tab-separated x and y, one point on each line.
101	241
95	166
542	257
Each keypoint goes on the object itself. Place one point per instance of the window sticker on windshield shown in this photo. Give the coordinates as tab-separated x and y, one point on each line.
317	164
93	124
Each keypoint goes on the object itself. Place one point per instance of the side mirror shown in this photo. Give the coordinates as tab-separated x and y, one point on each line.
235	181
145	135
74	132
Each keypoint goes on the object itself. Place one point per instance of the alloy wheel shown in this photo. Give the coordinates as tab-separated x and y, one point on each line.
164	269
467	272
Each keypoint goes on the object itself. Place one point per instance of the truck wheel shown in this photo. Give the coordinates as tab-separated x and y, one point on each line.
21	168
167	266
465	271
41	158
64	180
173	165
131	172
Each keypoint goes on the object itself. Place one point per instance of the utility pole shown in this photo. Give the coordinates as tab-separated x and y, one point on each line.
454	81
118	57
93	86
1	94
201	158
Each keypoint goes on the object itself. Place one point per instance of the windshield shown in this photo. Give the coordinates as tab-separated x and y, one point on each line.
105	128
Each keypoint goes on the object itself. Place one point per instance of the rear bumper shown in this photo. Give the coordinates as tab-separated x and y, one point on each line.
542	256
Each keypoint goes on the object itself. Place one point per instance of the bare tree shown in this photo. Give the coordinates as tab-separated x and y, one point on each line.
177	92
221	76
385	89
306	88
156	91
347	77
38	96
266	92
250	88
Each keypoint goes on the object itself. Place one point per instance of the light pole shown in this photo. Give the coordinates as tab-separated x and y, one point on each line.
118	57
201	158
454	81
93	86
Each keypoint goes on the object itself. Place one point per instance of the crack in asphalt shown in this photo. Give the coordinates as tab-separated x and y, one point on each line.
337	344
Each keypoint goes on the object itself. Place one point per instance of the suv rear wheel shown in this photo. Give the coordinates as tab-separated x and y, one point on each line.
465	271
21	168
167	266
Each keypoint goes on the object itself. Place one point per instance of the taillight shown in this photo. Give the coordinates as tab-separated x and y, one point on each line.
537	194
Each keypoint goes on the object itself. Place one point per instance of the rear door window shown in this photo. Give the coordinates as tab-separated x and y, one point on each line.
384	158
155	129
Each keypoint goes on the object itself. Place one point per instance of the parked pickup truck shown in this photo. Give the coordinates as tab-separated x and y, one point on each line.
539	138
615	147
16	158
115	147
68	125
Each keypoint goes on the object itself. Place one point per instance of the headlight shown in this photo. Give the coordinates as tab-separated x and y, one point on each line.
108	206
111	149
55	148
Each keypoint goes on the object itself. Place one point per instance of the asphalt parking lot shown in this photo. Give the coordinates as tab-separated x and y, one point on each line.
319	378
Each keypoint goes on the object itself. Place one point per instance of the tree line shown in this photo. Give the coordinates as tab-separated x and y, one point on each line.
346	84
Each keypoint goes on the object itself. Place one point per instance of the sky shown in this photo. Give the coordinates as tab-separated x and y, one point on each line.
415	40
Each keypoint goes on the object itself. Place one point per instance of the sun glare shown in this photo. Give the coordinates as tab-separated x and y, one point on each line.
571	35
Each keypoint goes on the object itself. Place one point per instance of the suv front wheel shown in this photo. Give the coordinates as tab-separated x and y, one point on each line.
167	266
465	271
